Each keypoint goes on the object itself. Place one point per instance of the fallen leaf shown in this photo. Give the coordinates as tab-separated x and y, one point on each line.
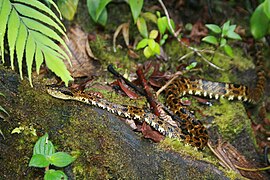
84	63
150	133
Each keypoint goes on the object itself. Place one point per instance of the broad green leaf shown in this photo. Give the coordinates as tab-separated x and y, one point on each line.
141	25
211	40
4	14
20	46
35	25
142	43
228	50
39	160
48	42
38	58
153	34
151	43
266	8
232	28
168	27
149	16
136	7
101	7
216	29
68	8
44	8
44	146
57	66
148	52
233	35
55	175
32	13
157	48
223	41
259	23
13	26
225	28
103	17
162	24
29	56
92	6
61	159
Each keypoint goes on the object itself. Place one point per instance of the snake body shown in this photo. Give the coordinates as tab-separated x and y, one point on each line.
186	127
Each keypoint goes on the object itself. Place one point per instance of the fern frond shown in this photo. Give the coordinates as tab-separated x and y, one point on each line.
33	34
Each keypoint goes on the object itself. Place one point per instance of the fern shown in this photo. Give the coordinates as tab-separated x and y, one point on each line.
28	25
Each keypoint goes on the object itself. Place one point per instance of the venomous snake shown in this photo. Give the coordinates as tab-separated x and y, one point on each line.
186	127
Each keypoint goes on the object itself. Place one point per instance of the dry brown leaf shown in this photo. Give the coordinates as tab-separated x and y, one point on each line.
84	63
125	31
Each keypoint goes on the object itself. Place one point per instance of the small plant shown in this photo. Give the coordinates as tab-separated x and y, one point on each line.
44	155
221	36
150	44
260	20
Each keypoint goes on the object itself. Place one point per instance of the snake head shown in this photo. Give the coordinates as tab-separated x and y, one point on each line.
59	92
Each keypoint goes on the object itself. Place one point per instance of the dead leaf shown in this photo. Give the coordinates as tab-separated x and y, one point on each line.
127	91
84	63
198	31
125	31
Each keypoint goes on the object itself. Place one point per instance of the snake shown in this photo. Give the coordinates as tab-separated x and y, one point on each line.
186	127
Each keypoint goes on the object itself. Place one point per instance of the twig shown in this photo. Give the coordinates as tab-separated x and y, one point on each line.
118	75
148	93
183	44
253	169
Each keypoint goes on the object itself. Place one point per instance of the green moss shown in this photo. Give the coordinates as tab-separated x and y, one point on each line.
185	149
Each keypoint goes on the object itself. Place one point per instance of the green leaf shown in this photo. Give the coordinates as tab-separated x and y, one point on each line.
266	8
68	8
153	34
44	146
210	40
38	58
136	7
39	160
34	25
162	24
57	66
142	44
13	24
148	52
4	14
101	7
216	29
20	46
157	48
29	54
141	25
44	8
228	50
191	66
149	16
151	43
48	42
32	13
168	27
223	41
225	28
92	6
259	23
55	175
233	35
61	159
